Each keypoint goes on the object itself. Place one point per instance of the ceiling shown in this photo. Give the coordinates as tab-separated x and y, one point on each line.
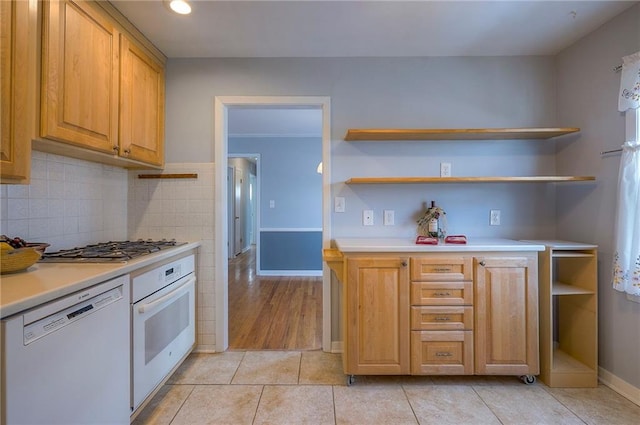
390	28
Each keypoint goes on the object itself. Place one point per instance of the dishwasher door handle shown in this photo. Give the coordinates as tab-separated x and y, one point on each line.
153	304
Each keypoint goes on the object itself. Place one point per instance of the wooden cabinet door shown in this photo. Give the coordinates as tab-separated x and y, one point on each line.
506	305
377	316
142	105
18	70
80	76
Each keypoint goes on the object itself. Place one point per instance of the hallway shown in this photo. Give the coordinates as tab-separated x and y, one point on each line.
272	312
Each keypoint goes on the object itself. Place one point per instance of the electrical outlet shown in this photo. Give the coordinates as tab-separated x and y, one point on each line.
389	217
494	219
445	169
338	204
367	217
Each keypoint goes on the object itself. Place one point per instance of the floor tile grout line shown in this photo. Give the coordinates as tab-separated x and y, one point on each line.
546	389
415	416
244	354
473	387
182	405
333	399
255	414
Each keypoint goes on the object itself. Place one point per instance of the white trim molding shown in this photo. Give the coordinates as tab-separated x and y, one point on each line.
619	385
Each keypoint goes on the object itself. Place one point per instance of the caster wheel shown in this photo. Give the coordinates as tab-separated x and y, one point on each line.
528	379
351	379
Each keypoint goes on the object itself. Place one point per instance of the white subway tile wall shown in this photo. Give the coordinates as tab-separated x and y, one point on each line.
182	209
69	202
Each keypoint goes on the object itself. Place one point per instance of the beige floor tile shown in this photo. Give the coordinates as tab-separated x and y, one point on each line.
164	405
268	367
318	367
220	404
296	404
372	405
204	368
450	404
599	405
525	404
475	380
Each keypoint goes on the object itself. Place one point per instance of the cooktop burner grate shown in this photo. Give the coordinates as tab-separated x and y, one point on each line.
106	252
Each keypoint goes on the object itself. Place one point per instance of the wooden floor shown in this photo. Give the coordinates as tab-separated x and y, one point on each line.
272	312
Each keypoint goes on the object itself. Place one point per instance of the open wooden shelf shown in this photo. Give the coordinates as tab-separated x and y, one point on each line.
405	180
571	254
564	363
560	288
390	134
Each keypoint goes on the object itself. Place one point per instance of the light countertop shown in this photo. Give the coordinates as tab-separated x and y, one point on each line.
44	282
409	245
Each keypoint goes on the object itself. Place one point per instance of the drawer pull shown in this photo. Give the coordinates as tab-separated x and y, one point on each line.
441	294
443	354
442	319
442	270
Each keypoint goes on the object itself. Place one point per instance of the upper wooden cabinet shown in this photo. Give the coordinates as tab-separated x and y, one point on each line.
18	43
102	93
80	78
142	103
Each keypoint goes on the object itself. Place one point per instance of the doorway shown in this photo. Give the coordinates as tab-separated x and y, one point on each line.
222	105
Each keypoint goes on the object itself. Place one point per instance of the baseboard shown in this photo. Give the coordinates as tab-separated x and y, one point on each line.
336	347
290	273
619	385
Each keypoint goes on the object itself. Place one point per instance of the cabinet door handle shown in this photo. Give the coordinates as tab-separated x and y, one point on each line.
443	354
442	270
442	319
404	264
115	148
482	263
441	294
127	151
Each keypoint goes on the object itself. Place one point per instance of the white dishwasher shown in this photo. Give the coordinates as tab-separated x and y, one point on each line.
67	362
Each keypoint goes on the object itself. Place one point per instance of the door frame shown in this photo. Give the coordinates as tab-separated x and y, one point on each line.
221	107
258	175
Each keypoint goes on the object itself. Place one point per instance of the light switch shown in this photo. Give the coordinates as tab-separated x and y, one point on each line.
389	218
338	204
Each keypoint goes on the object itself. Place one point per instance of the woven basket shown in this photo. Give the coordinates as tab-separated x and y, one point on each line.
18	259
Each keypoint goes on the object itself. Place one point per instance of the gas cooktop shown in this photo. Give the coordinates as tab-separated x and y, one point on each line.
107	252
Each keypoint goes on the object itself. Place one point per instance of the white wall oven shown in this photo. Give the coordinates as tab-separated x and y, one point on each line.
163	323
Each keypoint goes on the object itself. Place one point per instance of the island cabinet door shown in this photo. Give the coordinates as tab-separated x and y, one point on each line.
506	295
376	316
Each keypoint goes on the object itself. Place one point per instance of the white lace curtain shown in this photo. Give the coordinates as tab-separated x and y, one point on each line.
626	261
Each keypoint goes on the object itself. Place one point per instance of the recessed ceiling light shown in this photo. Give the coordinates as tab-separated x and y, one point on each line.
180	6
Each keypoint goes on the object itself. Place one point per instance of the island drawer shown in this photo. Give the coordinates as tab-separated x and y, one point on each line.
445	318
442	352
441	293
441	268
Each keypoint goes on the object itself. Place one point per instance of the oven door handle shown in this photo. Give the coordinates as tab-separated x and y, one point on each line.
149	306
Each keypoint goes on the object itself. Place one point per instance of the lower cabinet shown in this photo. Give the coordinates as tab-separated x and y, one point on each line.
476	314
506	321
376	315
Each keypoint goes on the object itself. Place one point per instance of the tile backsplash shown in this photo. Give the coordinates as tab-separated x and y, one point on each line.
182	209
69	202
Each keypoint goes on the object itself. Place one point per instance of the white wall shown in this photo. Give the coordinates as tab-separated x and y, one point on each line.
587	97
397	92
288	177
